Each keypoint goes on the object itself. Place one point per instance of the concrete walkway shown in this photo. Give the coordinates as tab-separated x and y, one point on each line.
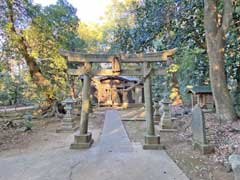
114	137
113	158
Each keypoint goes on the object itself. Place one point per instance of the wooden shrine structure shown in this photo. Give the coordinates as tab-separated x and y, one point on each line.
81	64
109	90
202	95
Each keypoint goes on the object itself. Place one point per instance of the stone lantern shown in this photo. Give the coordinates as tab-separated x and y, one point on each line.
68	124
166	119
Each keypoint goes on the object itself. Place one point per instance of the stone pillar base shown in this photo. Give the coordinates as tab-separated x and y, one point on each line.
83	141
152	143
204	148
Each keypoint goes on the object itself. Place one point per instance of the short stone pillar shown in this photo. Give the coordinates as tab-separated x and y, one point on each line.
68	124
199	139
156	114
84	139
152	141
166	119
28	121
125	99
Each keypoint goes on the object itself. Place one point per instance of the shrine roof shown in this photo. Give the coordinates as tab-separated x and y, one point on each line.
205	89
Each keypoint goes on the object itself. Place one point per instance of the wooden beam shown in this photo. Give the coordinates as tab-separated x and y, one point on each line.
124	58
108	72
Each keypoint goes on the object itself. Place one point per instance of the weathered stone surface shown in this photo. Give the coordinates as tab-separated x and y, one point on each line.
234	160
166	119
28	121
124	58
85	104
152	143
68	124
199	134
82	141
150	130
156	114
151	140
198	125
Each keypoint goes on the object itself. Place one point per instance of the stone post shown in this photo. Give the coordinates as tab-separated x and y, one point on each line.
199	138
152	141
84	138
85	105
28	121
68	124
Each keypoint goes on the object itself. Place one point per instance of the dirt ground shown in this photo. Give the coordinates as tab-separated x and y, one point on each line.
43	136
193	164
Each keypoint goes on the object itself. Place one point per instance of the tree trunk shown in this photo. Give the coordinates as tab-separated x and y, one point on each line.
224	104
215	38
22	46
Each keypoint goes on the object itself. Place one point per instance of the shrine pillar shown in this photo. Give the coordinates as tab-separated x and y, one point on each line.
84	138
152	141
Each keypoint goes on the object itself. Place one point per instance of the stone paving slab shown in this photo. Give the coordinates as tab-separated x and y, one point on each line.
114	136
102	162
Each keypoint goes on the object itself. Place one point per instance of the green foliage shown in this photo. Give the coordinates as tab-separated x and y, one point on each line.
131	26
40	33
11	89
157	25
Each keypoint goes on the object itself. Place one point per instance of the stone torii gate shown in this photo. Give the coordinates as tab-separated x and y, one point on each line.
84	138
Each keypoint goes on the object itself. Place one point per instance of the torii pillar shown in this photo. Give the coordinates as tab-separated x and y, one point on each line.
152	141
84	139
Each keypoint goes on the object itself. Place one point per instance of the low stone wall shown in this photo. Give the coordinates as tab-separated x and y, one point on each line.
15	113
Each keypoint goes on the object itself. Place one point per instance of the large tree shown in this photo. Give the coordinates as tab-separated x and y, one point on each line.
17	13
217	24
36	34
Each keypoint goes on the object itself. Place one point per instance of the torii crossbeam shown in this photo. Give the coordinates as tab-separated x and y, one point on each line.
123	58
